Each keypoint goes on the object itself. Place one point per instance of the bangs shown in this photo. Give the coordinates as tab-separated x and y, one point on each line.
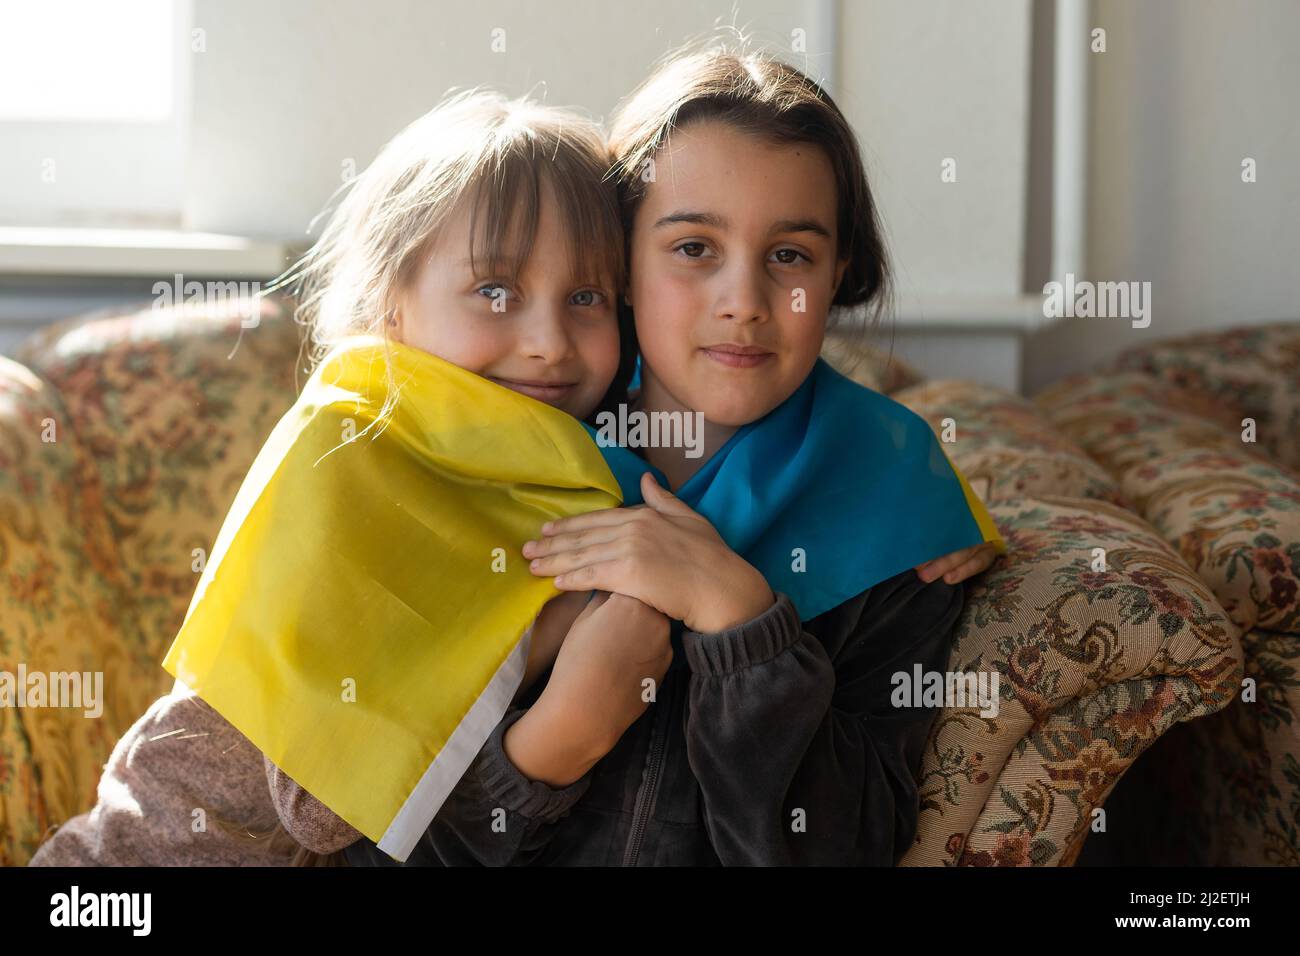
506	207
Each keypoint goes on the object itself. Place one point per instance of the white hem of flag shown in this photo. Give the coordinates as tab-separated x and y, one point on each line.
456	755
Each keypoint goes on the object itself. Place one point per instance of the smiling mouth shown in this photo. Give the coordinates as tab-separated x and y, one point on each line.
737	356
549	392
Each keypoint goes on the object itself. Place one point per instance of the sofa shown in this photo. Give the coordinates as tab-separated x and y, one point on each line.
1111	620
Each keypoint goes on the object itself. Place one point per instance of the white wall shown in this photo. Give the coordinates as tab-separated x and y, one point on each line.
286	92
1184	92
924	81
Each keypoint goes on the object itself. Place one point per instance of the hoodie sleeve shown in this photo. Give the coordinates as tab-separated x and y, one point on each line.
800	754
495	816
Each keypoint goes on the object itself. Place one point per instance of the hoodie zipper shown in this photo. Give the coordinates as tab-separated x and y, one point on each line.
650	781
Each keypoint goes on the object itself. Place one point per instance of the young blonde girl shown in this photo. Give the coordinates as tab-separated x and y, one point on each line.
484	234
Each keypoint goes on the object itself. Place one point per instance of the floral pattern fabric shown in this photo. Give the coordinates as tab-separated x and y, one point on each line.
158	415
1224	790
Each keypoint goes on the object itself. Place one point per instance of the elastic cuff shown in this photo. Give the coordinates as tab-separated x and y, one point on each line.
753	642
504	782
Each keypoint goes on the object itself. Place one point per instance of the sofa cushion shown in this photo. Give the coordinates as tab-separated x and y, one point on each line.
1236	521
65	606
1223	790
1124	419
1254	371
1093	665
1004	445
171	406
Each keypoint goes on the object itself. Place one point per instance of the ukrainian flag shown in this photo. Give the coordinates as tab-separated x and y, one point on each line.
363	619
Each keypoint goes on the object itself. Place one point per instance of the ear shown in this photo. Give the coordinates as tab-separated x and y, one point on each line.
393	325
840	267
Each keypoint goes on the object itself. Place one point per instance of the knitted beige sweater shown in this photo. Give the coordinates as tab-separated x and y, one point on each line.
185	788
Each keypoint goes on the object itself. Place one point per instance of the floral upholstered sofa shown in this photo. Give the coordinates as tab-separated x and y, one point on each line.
1110	621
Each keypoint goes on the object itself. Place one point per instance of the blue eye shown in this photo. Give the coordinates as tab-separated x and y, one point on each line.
493	291
587	297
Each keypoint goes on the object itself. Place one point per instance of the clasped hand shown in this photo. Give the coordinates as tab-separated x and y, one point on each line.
663	553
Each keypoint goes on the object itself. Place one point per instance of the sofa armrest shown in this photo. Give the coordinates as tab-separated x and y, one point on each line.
1094	662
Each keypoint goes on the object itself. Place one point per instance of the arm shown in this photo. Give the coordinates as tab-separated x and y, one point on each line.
782	721
537	763
312	824
495	816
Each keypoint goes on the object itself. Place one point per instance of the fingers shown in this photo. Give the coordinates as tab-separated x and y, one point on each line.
562	561
959	565
605	518
981	561
571	541
660	498
598	576
933	570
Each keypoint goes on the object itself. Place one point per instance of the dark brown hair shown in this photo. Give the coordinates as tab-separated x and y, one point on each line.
760	95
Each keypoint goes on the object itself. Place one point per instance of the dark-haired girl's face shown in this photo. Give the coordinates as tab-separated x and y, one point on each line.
733	270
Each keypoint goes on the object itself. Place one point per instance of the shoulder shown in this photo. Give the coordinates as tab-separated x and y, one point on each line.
892	616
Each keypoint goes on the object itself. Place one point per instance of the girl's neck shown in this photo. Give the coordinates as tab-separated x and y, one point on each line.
673	462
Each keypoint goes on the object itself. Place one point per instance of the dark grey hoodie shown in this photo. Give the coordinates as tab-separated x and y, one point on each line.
772	743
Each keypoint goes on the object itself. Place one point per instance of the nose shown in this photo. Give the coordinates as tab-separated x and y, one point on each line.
741	294
547	335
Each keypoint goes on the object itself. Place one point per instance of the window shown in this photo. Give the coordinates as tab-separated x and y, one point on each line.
93	104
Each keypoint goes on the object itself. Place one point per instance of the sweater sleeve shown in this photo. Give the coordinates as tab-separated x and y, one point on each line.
312	824
800	755
495	816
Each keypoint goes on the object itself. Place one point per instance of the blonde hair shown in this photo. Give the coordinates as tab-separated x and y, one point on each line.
475	147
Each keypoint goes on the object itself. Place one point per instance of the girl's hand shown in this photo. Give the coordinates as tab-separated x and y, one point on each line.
596	690
959	565
662	553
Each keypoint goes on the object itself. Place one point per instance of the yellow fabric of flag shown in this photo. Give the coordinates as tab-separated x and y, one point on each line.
361	614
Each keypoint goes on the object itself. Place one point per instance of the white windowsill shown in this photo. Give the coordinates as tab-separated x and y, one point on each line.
157	253
977	313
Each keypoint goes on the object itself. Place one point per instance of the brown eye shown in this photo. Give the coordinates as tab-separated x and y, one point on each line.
789	257
693	250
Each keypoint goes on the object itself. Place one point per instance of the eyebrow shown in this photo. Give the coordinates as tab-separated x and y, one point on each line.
507	262
718	222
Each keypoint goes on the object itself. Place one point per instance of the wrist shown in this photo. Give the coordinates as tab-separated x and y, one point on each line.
547	745
737	604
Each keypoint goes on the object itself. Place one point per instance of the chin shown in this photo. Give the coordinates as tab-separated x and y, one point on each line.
733	413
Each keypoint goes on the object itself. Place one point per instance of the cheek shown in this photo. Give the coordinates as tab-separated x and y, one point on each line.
600	351
459	338
666	305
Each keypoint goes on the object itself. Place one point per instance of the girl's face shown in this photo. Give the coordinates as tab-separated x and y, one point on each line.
541	335
733	269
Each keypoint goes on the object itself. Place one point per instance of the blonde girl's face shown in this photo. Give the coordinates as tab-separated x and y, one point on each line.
541	334
733	270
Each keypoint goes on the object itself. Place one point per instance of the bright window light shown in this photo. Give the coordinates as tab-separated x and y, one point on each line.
79	60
